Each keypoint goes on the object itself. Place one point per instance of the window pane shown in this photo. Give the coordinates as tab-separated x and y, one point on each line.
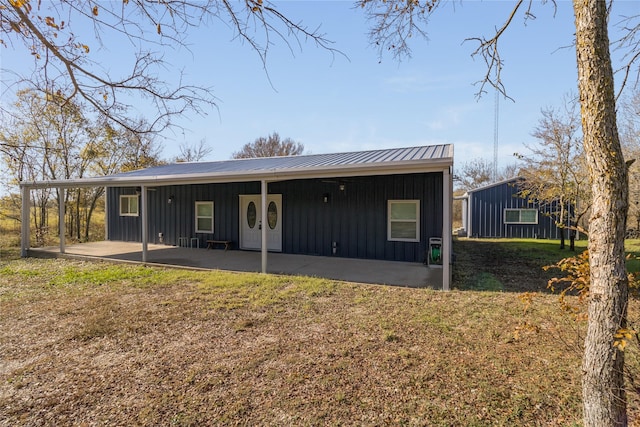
512	215
133	205
205	224
251	215
205	209
528	215
403	230
403	210
128	205
204	217
272	215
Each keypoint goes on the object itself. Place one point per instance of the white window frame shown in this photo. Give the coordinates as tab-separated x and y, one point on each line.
197	217
519	210
416	221
125	200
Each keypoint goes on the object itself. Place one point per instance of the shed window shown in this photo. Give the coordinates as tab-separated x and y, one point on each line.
403	220
129	205
204	217
520	216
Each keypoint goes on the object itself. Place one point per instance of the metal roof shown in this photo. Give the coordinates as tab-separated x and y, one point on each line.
494	184
370	162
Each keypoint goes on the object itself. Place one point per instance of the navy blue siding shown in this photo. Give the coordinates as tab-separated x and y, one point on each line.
487	214
356	218
178	218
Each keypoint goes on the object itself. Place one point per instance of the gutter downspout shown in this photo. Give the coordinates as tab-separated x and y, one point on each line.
470	215
145	222
447	191
106	213
465	211
61	225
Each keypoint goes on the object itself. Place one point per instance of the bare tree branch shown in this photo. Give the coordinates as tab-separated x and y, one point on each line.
395	22
65	67
629	44
488	50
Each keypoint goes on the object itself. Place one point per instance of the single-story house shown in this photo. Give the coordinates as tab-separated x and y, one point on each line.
499	210
376	204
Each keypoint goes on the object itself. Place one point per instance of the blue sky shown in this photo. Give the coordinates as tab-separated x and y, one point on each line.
331	103
334	103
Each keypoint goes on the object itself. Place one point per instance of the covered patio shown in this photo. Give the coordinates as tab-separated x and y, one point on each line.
394	273
366	216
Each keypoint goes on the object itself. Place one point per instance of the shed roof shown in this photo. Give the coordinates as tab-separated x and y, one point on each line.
494	184
370	162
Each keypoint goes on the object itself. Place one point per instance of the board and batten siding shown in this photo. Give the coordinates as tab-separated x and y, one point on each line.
486	207
355	218
177	219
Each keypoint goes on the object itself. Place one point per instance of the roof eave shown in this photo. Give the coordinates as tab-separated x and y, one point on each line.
413	166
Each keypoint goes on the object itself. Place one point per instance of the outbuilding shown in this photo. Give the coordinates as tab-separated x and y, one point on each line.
500	210
375	204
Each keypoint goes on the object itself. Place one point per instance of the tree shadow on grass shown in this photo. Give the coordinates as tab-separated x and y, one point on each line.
507	265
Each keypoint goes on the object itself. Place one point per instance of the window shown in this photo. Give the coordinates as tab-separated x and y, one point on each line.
520	216
129	205
204	217
272	215
403	220
252	215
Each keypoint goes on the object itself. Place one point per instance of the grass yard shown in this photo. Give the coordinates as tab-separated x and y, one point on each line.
512	265
100	344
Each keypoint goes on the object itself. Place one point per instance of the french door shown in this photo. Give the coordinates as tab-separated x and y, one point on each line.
251	222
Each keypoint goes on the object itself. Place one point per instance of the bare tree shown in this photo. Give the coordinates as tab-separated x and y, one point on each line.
555	170
48	140
604	399
629	120
193	152
479	172
41	141
269	147
66	65
474	173
139	151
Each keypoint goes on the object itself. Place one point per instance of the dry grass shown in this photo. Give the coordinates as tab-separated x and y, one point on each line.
97	344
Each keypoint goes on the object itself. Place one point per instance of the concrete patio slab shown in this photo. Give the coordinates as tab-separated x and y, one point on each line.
346	269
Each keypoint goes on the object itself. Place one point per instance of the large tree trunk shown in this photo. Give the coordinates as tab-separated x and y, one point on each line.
602	381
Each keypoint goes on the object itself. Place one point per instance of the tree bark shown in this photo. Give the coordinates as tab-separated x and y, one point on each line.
603	393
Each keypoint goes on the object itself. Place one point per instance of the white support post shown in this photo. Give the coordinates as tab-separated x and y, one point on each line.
469	216
447	191
61	225
106	213
25	215
263	222
145	222
465	218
